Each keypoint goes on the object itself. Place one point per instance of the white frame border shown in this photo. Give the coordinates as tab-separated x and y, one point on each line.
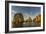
25	28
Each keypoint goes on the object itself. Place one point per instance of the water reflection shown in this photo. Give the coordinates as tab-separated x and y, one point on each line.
27	24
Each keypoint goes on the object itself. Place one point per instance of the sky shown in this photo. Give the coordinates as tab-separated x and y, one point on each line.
27	11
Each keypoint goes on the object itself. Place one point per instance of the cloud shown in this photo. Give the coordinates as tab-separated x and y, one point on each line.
13	12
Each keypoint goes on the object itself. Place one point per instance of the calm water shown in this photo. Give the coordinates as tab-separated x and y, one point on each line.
27	24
